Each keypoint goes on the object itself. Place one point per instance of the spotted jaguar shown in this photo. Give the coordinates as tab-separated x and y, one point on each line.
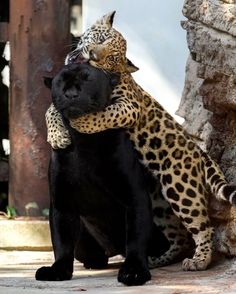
188	176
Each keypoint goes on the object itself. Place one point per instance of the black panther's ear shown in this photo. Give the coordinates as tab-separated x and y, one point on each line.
114	79
48	82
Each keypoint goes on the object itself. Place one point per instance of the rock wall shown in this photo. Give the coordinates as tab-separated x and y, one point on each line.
209	98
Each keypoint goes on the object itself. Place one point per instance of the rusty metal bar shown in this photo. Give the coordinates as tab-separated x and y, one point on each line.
39	35
4	32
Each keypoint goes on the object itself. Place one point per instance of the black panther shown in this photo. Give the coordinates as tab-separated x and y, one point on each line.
99	204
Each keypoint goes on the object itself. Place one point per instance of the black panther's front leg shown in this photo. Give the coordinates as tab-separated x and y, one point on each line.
63	230
134	270
64	219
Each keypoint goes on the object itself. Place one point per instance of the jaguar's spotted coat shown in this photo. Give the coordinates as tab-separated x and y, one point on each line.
186	173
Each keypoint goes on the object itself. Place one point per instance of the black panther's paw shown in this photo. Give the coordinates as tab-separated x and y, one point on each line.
98	262
50	273
133	273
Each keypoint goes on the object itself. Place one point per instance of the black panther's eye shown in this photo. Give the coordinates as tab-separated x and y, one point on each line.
83	75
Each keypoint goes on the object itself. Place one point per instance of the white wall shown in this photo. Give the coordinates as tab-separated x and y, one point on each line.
156	42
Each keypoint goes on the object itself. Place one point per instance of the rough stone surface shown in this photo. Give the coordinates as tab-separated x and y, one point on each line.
18	268
191	106
208	102
213	13
209	97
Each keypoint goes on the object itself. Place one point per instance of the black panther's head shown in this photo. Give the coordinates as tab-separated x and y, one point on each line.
79	89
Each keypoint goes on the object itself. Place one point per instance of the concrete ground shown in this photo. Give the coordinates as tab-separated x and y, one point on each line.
17	270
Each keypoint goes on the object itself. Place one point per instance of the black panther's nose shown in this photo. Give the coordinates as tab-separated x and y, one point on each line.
72	93
70	96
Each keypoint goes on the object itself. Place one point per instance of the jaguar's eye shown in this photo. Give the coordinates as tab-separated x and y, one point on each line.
93	55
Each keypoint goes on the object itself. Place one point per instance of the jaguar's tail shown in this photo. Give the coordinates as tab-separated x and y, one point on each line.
215	179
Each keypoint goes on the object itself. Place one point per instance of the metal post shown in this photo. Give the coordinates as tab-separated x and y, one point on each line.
39	38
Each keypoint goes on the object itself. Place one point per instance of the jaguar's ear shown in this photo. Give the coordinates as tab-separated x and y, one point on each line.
106	20
130	67
48	82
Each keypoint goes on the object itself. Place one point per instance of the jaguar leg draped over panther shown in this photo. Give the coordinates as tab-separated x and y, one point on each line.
188	176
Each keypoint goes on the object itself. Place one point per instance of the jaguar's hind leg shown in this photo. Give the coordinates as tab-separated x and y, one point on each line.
189	204
202	234
203	253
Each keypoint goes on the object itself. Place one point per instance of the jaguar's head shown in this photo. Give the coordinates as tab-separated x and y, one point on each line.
103	47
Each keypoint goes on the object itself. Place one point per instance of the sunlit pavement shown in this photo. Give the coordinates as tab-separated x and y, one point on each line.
17	270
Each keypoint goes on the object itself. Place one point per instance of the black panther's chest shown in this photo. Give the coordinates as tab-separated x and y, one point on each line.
90	173
93	168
